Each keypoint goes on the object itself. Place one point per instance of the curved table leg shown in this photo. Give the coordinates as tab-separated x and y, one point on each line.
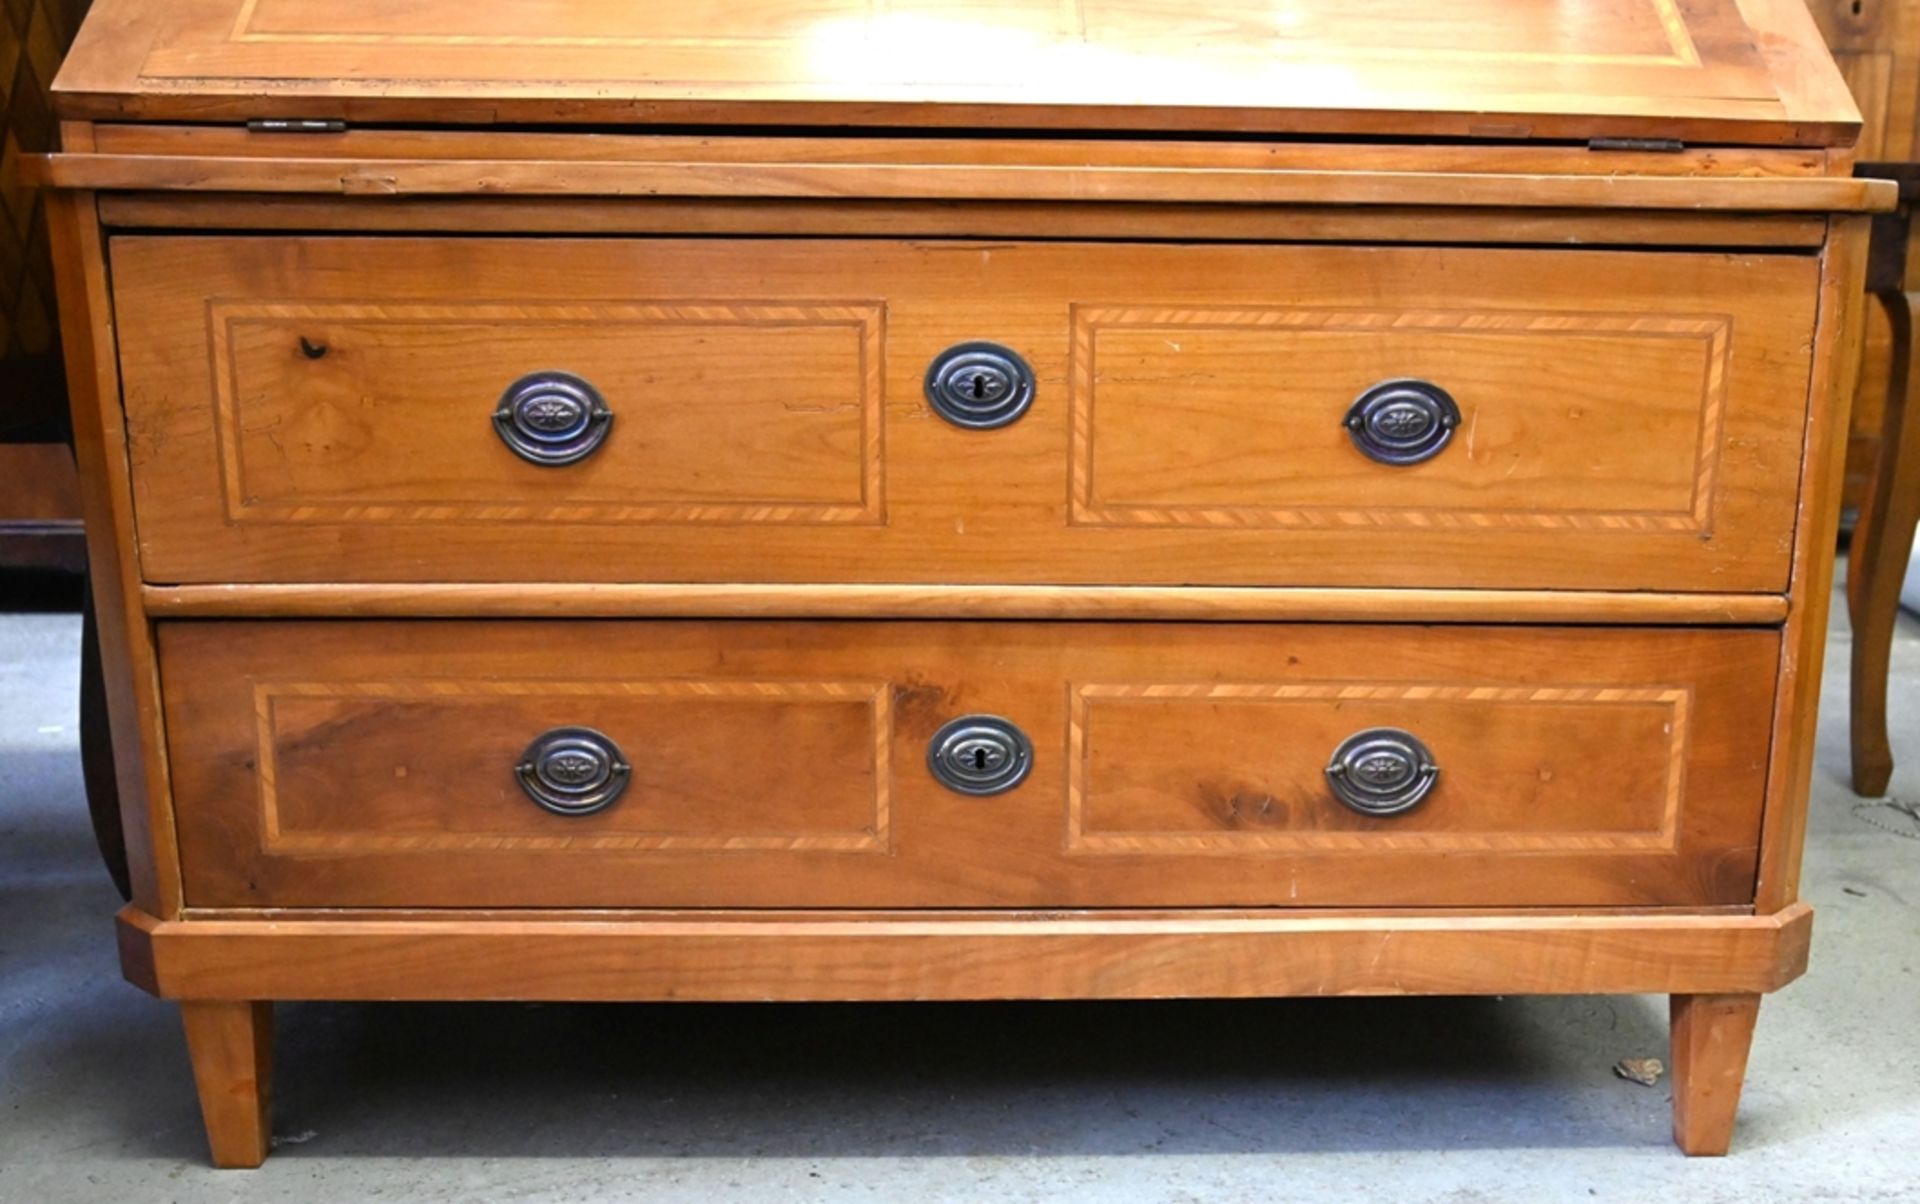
1882	543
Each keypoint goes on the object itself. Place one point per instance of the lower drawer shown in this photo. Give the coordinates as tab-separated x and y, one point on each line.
786	764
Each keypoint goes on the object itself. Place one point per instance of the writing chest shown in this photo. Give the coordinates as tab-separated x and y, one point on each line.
899	499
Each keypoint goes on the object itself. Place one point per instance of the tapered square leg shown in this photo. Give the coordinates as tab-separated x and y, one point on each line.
231	1045
1711	1037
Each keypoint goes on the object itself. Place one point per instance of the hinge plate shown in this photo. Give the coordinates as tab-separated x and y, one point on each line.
1655	146
296	125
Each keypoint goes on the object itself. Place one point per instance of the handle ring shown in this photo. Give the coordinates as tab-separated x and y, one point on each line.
1402	422
573	771
552	418
1382	771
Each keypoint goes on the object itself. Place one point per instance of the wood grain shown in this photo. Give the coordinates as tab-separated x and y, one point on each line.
1880	552
1876	44
1246	463
1804	642
336	610
37	484
979	148
948	181
982	219
1104	956
1711	1037
1709	70
231	1044
40	526
776	601
344	430
129	668
1188	427
370	764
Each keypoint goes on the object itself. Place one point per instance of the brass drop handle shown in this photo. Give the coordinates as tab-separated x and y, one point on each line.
1402	422
552	418
1382	771
573	771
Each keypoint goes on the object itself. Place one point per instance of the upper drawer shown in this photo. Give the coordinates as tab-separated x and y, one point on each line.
324	409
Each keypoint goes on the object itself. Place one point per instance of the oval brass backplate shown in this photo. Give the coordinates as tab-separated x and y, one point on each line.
980	386
573	771
1402	422
1382	771
980	754
552	418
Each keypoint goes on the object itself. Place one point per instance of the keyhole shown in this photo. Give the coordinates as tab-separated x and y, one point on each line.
979	388
979	758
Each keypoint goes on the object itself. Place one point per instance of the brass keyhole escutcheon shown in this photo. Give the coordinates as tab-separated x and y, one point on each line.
980	755
980	386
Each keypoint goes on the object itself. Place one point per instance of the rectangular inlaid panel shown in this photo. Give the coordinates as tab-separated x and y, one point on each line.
1600	422
323	409
1639	33
372	766
1147	770
1489	65
354	763
728	413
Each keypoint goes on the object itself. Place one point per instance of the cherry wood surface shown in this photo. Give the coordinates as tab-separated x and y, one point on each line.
1629	421
747	149
40	508
128	668
1711	1038
222	966
874	166
231	1044
37	484
1836	356
1742	71
746	957
371	764
1876	44
1190	222
1883	534
1257	603
987	181
335	609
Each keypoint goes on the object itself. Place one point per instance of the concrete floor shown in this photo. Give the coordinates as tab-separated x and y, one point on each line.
1398	1100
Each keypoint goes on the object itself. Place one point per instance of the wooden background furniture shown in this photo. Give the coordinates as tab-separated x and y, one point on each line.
1166	502
39	491
1884	531
1877	46
40	526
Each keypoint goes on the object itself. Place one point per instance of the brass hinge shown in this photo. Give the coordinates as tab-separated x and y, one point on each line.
296	125
1655	146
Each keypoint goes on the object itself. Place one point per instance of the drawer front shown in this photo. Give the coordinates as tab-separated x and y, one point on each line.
324	409
786	764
